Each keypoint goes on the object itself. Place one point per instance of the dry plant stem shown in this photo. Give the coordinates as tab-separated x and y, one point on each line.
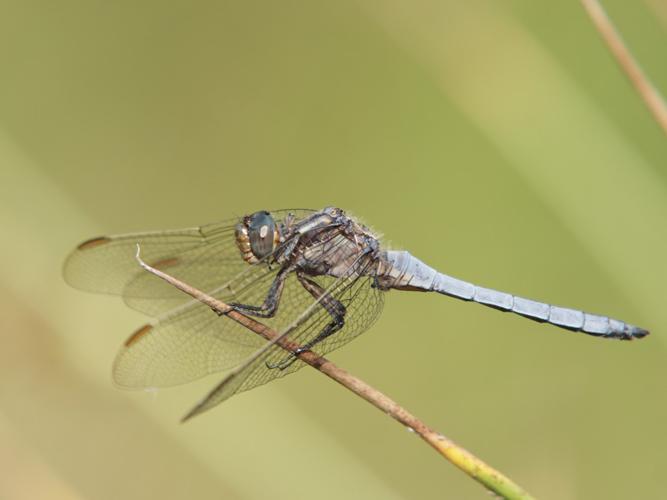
463	459
646	90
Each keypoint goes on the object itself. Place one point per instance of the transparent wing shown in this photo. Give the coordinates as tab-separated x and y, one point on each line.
192	340
363	304
204	256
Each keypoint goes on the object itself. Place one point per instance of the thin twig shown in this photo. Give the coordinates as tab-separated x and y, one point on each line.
492	479
642	84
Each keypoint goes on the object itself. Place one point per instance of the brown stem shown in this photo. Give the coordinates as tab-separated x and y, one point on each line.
492	479
642	84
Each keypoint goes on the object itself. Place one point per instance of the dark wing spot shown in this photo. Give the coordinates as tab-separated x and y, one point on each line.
166	263
94	242
132	339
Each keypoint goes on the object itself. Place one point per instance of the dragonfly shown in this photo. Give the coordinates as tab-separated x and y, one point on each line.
317	277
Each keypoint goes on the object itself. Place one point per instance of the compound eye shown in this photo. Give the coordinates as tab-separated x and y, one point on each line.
261	232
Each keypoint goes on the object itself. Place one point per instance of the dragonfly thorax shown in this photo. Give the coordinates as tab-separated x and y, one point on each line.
330	243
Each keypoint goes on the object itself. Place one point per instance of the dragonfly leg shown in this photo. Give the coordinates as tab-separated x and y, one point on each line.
270	305
335	309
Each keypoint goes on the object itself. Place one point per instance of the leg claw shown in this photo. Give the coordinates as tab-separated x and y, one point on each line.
285	362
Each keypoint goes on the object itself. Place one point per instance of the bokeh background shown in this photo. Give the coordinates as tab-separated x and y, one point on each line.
497	141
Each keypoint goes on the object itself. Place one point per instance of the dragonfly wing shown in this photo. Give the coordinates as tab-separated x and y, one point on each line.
192	341
204	257
363	304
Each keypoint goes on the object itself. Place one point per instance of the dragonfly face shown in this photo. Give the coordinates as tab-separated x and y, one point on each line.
326	287
257	236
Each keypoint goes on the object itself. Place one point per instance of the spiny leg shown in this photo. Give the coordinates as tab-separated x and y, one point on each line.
269	307
335	309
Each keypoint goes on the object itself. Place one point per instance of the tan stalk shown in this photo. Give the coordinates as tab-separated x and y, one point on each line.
492	479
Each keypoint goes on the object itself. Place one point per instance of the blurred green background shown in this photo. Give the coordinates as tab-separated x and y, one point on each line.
498	142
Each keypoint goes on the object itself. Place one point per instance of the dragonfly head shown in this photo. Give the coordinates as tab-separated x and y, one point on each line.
257	236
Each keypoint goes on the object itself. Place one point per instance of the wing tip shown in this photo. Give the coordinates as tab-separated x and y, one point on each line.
138	334
196	410
93	242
